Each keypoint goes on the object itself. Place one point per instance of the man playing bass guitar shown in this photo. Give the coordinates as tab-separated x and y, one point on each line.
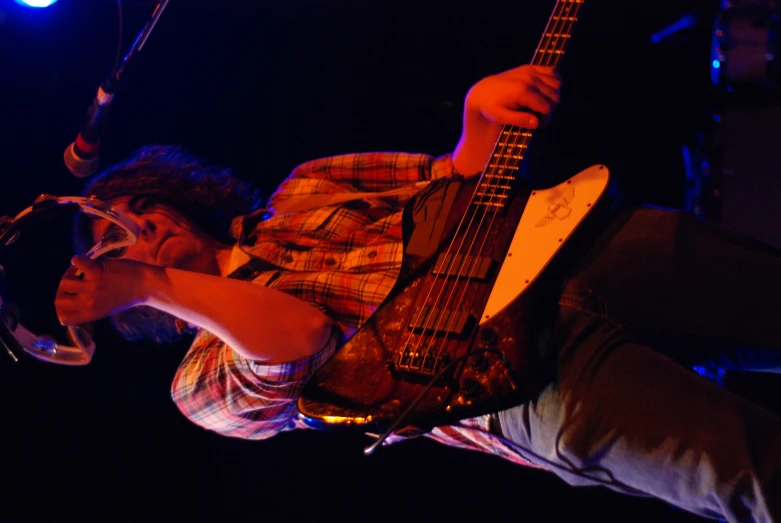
270	297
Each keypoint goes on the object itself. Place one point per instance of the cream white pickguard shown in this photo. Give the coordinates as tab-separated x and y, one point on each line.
549	219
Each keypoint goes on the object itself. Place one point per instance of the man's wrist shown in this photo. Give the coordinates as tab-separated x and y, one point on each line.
150	278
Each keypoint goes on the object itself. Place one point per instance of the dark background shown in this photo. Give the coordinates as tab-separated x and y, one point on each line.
262	86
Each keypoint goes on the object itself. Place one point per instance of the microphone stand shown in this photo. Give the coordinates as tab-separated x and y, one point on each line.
114	80
81	157
9	343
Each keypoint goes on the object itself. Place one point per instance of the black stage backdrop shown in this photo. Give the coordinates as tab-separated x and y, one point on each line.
262	86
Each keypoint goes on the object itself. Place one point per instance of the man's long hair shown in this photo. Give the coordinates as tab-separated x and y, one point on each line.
209	195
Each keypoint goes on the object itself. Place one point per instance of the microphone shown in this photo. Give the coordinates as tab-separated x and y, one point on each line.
81	156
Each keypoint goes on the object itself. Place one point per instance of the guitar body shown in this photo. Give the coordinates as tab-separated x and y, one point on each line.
455	337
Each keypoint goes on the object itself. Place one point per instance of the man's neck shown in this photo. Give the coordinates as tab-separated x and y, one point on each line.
229	259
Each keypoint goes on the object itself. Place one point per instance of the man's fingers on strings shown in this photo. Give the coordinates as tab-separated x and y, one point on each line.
536	104
547	74
549	93
546	70
548	77
516	118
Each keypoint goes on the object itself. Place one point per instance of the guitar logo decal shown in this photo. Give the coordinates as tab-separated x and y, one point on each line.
560	209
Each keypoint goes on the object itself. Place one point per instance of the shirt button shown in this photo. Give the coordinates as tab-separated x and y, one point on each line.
373	254
330	262
287	258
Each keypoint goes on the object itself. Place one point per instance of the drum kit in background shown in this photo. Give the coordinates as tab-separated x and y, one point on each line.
734	172
745	45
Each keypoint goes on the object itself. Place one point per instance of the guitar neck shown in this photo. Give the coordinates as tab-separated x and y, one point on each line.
557	33
513	142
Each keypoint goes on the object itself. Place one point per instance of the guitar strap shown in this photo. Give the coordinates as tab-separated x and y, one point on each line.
251	269
313	201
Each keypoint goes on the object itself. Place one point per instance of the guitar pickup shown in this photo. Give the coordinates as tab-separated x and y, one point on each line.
441	321
463	266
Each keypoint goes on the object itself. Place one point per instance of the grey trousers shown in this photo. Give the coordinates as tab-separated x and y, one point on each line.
658	293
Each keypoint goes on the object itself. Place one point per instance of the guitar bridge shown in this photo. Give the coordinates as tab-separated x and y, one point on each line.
419	363
423	361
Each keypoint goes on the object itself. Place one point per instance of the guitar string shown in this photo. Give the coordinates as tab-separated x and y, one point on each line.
419	315
506	134
448	262
553	59
559	19
550	60
445	269
510	142
487	192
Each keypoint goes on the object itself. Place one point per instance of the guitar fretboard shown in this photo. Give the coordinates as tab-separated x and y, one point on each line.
493	190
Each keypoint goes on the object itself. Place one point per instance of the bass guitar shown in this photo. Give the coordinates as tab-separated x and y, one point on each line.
453	338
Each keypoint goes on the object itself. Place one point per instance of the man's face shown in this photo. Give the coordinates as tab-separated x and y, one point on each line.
167	238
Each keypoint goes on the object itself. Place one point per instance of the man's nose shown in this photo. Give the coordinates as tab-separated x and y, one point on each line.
147	227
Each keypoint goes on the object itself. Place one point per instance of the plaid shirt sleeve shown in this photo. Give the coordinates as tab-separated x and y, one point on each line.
220	390
362	172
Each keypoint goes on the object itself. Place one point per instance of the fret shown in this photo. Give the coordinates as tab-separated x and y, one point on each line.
525	134
490	204
501	171
491	195
484	186
500	177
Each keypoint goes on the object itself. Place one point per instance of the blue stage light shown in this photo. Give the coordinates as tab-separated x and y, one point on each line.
35	3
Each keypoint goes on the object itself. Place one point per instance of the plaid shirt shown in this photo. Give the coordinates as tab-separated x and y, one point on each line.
342	259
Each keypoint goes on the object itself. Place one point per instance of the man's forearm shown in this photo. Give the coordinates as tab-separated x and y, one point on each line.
474	149
258	322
